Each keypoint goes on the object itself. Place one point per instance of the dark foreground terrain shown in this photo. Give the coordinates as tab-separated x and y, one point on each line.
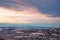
29	33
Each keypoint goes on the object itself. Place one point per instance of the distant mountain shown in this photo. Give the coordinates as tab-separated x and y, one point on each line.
7	25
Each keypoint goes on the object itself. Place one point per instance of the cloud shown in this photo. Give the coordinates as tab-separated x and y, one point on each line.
50	7
29	11
29	15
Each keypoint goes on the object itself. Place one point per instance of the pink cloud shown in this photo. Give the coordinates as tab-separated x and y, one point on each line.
28	15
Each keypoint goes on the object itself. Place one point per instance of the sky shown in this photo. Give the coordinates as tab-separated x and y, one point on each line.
40	12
